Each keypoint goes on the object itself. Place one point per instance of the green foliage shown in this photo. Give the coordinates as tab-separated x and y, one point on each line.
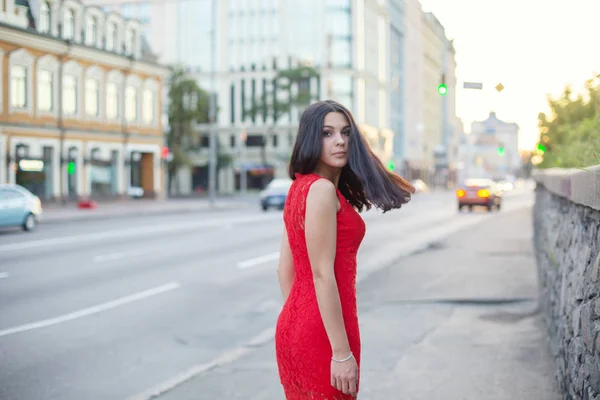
290	87
224	159
188	104
274	104
571	134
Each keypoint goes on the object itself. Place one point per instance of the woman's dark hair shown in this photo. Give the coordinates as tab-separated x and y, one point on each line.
364	181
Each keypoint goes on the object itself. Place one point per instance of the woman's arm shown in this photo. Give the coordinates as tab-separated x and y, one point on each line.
285	269
321	234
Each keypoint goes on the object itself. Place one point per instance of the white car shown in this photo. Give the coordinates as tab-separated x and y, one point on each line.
275	194
19	207
420	186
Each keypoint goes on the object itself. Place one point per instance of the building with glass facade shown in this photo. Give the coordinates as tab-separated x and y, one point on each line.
346	41
381	58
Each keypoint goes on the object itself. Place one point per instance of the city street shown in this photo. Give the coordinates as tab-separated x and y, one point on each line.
133	307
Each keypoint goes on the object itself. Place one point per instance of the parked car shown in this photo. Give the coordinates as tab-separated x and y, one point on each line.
19	207
479	192
275	194
420	186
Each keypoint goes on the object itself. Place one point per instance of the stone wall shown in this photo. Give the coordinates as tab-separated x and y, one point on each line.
567	245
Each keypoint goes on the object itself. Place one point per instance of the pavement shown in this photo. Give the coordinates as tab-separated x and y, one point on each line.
183	306
458	321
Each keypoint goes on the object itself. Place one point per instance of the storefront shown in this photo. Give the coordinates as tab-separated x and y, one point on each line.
35	171
257	175
103	174
142	166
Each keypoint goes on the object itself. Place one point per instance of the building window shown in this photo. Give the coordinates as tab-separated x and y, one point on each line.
91	97
69	24
340	4
148	106
70	94
45	15
127	10
112	100
18	86
111	36
130	103
91	32
144	13
130	42
45	90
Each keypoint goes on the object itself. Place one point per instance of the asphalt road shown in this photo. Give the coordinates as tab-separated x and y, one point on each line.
119	308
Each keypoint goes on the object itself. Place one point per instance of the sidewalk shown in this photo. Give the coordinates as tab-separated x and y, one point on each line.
139	207
456	322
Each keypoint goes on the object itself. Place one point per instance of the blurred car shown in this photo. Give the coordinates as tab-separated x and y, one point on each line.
275	194
479	192
420	186
135	192
19	207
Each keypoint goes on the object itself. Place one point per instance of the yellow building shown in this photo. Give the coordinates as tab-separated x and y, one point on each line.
81	102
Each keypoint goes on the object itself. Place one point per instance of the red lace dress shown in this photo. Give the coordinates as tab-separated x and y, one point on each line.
301	342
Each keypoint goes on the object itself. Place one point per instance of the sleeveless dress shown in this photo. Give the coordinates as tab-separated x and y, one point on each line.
301	343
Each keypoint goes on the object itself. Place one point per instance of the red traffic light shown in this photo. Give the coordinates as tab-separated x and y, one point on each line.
165	152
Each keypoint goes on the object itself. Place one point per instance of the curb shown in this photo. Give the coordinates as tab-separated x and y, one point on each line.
95	215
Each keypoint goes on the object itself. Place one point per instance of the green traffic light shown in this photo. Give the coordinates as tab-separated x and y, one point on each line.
541	148
71	168
391	165
500	151
442	89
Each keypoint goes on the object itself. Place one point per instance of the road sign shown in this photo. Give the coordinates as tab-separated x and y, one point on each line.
473	85
499	87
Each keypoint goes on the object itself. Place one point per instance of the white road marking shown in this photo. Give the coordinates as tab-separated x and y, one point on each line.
4	275
91	310
225	358
122	254
139	231
258	260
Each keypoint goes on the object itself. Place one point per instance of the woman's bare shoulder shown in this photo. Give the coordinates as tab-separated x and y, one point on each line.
322	193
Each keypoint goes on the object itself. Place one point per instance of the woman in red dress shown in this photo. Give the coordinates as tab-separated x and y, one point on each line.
335	175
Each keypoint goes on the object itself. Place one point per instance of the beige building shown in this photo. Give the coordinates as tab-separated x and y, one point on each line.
493	148
81	102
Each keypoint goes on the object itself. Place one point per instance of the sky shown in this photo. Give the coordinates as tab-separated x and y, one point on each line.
533	47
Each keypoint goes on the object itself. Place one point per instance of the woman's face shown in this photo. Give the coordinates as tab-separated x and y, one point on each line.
335	136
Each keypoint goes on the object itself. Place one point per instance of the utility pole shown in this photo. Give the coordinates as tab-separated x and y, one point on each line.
212	167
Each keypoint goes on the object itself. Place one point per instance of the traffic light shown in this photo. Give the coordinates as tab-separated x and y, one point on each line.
71	167
391	165
500	151
165	152
541	148
442	89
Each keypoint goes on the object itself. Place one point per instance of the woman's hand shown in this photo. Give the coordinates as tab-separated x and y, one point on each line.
344	376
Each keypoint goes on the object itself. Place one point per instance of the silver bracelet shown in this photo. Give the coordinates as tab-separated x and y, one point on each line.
344	359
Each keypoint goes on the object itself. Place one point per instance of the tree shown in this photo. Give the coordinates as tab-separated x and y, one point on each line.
290	88
570	135
188	104
224	159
